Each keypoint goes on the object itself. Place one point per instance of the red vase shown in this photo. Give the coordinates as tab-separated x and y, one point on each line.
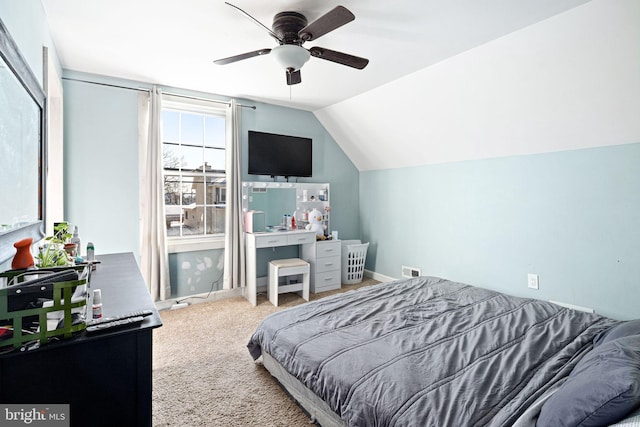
23	257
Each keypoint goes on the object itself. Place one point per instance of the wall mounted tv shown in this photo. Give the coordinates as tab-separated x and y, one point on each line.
279	155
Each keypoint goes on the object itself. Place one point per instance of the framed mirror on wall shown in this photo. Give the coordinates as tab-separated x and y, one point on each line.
22	149
278	198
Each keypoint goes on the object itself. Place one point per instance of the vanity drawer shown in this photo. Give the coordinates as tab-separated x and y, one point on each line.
269	240
326	281
299	239
328	249
328	264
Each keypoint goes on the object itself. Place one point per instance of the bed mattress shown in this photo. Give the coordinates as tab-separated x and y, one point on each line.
427	351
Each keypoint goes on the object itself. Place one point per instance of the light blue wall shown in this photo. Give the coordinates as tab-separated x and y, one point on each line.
101	161
27	24
572	217
196	272
330	164
101	165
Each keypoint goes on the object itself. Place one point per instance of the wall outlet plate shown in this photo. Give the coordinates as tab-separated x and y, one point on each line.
532	281
179	305
411	272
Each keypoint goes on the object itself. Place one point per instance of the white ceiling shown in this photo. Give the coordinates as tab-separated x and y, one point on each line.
173	43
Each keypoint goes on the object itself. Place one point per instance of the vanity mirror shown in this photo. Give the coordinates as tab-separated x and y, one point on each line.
277	199
22	149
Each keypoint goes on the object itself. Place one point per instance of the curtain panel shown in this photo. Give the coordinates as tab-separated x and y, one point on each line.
234	238
153	239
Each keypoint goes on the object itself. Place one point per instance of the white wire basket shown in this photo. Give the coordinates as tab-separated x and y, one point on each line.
354	254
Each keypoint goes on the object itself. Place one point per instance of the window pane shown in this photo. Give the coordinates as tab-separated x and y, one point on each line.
192	129
193	221
173	219
171	156
221	195
192	158
216	191
215	158
172	209
215	220
214	131
172	190
198	186
188	192
211	192
170	126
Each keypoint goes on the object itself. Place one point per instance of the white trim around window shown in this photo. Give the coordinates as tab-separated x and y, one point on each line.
188	244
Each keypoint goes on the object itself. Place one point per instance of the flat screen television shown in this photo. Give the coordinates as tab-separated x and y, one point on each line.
279	155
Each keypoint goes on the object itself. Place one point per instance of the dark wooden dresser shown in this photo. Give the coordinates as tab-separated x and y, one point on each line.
105	377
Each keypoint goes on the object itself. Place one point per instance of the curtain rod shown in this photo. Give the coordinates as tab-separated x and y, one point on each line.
140	89
197	98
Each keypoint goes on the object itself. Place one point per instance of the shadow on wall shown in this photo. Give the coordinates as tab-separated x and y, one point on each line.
196	272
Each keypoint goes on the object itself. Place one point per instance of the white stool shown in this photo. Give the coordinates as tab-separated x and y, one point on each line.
287	267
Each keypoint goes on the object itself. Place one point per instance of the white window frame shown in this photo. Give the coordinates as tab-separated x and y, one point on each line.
178	244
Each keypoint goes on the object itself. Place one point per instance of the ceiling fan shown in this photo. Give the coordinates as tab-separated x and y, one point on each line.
291	31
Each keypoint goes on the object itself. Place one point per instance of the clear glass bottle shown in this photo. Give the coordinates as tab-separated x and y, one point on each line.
76	239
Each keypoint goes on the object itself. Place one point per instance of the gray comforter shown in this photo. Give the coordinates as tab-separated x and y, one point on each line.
427	352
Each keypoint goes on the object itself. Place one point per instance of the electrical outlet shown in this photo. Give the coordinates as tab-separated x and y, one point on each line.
178	305
532	281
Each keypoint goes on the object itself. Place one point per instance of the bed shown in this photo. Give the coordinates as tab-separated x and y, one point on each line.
432	352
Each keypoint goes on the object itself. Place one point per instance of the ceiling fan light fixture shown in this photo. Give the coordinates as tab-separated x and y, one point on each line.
290	56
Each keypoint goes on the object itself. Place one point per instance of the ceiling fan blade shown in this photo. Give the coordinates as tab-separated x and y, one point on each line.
293	77
339	57
240	57
331	20
264	27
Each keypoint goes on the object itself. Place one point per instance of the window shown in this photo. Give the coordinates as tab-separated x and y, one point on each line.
193	155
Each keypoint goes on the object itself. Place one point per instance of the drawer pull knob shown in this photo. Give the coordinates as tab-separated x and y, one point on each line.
327	279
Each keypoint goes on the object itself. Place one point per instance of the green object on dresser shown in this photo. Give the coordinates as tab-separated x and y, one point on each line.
59	309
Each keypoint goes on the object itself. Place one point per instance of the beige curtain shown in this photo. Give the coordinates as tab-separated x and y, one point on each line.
234	239
153	234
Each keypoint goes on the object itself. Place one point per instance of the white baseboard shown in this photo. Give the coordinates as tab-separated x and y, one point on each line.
574	307
377	276
261	287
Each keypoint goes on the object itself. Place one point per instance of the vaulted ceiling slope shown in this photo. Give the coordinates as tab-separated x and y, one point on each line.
446	81
569	82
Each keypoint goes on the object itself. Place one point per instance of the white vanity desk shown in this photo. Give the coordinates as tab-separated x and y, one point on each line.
255	241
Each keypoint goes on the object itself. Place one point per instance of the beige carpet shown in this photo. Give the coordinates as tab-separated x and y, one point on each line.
203	374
